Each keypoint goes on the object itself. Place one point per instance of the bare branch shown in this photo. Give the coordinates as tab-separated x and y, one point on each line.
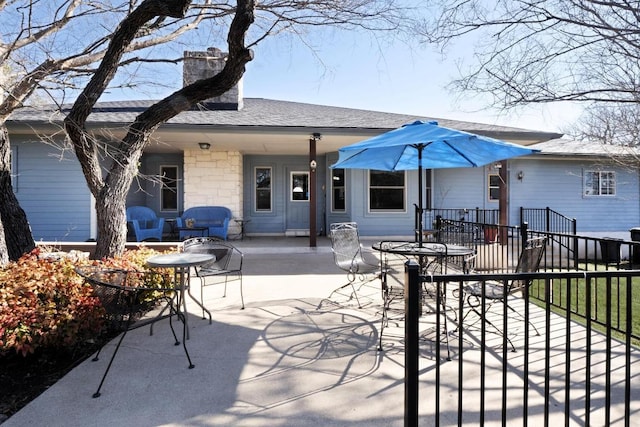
544	51
124	35
610	124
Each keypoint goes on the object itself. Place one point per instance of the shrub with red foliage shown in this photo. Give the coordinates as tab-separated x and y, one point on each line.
45	304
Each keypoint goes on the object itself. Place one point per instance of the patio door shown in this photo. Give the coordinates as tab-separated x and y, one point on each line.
298	204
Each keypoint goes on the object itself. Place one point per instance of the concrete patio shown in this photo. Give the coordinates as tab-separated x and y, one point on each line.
295	357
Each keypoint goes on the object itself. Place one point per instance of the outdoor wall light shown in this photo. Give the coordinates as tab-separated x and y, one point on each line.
204	145
520	175
313	165
316	136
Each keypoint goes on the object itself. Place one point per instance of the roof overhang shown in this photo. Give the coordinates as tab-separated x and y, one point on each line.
274	140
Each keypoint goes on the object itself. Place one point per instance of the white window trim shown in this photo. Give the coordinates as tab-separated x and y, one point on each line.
177	168
291	199
489	187
600	174
14	168
255	190
344	187
386	211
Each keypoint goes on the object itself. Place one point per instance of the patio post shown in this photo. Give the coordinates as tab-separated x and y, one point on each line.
312	189
503	202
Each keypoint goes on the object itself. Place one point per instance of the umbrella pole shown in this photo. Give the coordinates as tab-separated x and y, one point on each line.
420	195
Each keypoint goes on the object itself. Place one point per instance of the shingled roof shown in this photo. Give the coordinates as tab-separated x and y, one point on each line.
573	148
259	112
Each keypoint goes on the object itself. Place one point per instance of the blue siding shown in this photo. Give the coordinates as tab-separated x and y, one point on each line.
357	205
274	222
558	184
381	223
52	190
546	183
461	188
145	191
452	188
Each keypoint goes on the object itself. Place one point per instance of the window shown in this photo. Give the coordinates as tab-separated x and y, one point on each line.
599	183
263	189
14	168
169	191
494	187
337	190
386	191
427	189
299	186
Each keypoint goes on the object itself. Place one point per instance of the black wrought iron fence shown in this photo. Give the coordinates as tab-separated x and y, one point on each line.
564	252
529	361
435	219
547	219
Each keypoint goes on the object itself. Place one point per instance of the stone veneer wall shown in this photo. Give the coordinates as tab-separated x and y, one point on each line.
214	178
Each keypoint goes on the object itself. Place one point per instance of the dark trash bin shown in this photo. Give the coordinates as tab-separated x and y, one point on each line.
610	249
635	236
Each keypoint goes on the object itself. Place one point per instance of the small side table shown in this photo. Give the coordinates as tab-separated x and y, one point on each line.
241	222
200	231
173	228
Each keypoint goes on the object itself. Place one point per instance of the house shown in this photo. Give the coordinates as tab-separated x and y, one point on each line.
598	185
261	157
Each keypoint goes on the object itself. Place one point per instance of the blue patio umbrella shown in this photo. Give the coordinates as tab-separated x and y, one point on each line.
426	145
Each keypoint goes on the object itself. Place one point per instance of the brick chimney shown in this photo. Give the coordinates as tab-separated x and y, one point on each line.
202	65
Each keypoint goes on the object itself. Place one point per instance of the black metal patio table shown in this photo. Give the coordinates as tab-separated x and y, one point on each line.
437	253
413	296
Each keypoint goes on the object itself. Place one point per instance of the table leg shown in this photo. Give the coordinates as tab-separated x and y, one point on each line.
196	300
179	279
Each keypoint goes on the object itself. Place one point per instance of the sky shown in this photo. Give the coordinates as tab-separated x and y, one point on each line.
353	72
351	69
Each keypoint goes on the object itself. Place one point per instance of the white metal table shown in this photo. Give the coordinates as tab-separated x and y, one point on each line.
181	263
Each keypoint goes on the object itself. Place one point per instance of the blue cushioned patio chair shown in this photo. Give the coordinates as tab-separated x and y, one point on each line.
146	225
213	219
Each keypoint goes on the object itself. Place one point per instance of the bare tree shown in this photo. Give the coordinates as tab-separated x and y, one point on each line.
543	51
110	189
611	124
48	47
42	50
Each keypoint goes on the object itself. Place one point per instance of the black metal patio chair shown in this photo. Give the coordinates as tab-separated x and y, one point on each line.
499	292
226	268
433	259
126	297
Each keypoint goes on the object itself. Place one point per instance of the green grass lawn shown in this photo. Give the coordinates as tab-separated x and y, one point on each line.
603	295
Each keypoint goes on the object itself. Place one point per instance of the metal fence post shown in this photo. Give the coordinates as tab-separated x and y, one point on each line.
411	337
524	231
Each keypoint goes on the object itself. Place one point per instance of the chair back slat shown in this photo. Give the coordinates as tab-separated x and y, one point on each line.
529	260
345	244
228	257
125	295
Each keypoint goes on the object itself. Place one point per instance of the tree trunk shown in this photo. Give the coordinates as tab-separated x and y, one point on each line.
112	225
4	253
111	204
110	190
16	238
